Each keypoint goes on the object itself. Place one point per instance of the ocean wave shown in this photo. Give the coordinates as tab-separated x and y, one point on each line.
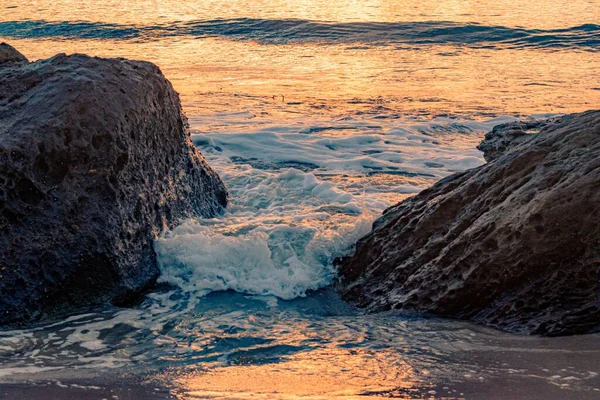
266	31
302	195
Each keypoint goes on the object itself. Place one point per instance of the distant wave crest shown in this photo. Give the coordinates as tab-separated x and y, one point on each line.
585	37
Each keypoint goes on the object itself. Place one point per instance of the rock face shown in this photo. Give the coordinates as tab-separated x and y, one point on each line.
9	54
95	160
513	244
505	137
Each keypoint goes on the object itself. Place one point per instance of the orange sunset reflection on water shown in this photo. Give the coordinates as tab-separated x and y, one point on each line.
318	77
320	374
213	75
530	13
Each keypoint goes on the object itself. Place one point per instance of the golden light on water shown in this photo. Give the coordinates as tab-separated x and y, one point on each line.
311	78
319	374
525	13
216	75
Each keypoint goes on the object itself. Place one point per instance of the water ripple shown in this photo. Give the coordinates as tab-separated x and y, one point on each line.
266	31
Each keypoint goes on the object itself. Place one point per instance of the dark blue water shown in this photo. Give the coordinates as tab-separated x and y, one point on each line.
584	37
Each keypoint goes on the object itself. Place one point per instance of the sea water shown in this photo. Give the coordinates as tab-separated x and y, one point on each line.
317	116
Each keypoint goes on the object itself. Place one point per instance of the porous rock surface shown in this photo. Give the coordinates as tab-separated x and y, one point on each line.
95	160
513	244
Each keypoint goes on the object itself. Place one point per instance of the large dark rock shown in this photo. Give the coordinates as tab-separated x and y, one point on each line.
95	160
513	244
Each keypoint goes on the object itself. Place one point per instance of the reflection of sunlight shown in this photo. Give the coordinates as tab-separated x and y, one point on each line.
314	79
548	13
306	78
320	374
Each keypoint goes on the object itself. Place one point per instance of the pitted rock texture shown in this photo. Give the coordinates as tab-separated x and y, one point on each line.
95	160
513	244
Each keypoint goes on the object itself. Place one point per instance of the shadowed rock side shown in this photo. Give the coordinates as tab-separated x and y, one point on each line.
513	244
9	54
95	160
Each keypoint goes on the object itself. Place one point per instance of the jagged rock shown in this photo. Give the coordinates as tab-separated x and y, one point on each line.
95	160
513	244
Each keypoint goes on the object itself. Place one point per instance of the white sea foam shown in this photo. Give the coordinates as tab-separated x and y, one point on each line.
303	193
275	241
